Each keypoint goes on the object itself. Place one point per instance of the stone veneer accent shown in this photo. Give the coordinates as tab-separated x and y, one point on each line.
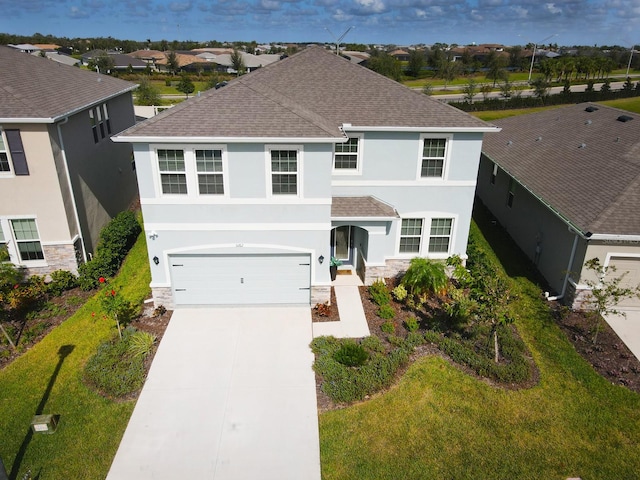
162	296
396	266
321	294
577	299
371	274
58	257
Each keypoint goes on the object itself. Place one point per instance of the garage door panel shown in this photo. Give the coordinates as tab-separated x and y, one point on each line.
240	279
630	268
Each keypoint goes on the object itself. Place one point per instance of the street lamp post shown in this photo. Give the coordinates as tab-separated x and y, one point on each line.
338	40
630	58
533	56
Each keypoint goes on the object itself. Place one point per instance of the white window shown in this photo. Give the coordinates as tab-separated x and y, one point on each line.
5	165
440	235
27	239
284	172
100	123
410	235
494	174
434	151
346	158
210	172
173	177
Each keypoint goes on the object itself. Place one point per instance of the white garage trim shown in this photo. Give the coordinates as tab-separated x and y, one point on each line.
632	274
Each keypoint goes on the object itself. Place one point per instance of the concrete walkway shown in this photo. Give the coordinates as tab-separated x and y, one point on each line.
627	328
353	323
230	395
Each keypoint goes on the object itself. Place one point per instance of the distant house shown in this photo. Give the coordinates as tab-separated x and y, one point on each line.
121	61
565	184
248	191
401	55
360	58
58	57
25	47
61	177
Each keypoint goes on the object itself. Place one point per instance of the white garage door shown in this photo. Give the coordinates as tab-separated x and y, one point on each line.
240	279
631	279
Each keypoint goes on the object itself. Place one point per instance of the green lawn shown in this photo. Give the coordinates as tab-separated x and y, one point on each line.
630	104
90	426
439	422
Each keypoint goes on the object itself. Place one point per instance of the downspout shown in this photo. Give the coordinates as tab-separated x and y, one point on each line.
73	197
566	277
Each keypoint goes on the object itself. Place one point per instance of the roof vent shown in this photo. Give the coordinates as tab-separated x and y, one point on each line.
617	139
591	109
538	139
510	142
624	118
588	122
583	145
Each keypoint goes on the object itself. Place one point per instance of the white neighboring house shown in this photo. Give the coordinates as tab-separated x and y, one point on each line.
248	191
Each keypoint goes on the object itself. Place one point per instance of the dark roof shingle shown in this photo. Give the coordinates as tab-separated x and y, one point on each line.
310	94
584	165
37	88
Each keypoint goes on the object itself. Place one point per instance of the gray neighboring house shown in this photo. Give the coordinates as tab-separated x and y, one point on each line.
248	191
565	184
62	178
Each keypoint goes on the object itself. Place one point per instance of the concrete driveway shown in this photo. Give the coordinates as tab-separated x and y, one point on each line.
627	328
230	395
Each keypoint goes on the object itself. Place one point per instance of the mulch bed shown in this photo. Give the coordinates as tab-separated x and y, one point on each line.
610	356
331	311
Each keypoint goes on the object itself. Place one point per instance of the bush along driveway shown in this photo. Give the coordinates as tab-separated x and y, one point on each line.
439	422
49	379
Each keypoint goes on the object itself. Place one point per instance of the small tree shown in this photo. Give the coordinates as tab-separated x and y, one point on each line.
103	63
115	306
237	62
485	89
470	90
506	89
10	276
417	60
172	62
146	93
185	86
493	297
427	89
606	293
540	87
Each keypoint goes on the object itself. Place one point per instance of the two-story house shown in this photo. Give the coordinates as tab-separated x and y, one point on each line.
61	178
248	190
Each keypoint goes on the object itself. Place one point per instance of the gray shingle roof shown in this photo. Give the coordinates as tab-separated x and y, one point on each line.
37	88
585	165
360	207
310	94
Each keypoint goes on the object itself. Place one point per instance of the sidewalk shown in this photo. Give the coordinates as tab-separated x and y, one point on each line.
353	323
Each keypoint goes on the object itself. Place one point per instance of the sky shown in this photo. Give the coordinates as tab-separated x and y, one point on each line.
399	22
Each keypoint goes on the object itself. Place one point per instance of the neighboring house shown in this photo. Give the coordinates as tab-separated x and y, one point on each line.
401	55
248	191
565	184
25	47
361	58
61	177
121	61
58	57
251	62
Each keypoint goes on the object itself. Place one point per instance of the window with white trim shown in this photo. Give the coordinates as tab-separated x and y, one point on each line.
173	177
440	235
5	166
345	156
4	254
433	157
511	194
494	174
210	172
28	243
410	235
100	123
284	172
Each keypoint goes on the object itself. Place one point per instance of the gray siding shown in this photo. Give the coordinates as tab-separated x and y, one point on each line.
544	238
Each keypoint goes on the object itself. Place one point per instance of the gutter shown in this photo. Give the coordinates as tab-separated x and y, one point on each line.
73	197
192	140
566	277
349	127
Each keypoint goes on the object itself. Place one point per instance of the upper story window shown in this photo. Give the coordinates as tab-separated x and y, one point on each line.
28	243
100	124
13	160
511	194
440	235
284	172
209	170
173	177
346	158
434	151
494	174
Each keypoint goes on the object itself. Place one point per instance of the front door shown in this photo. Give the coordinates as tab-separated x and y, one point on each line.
342	244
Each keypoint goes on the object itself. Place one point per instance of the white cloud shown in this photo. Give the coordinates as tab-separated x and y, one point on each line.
551	8
341	15
75	12
270	4
180	6
520	12
374	6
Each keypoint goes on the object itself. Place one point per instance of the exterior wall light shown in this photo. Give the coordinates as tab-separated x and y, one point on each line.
153	235
156	260
321	259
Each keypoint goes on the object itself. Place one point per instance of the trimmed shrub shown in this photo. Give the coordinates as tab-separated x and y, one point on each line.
61	281
412	324
380	293
116	239
399	293
141	344
425	276
113	370
386	311
373	344
388	327
351	354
